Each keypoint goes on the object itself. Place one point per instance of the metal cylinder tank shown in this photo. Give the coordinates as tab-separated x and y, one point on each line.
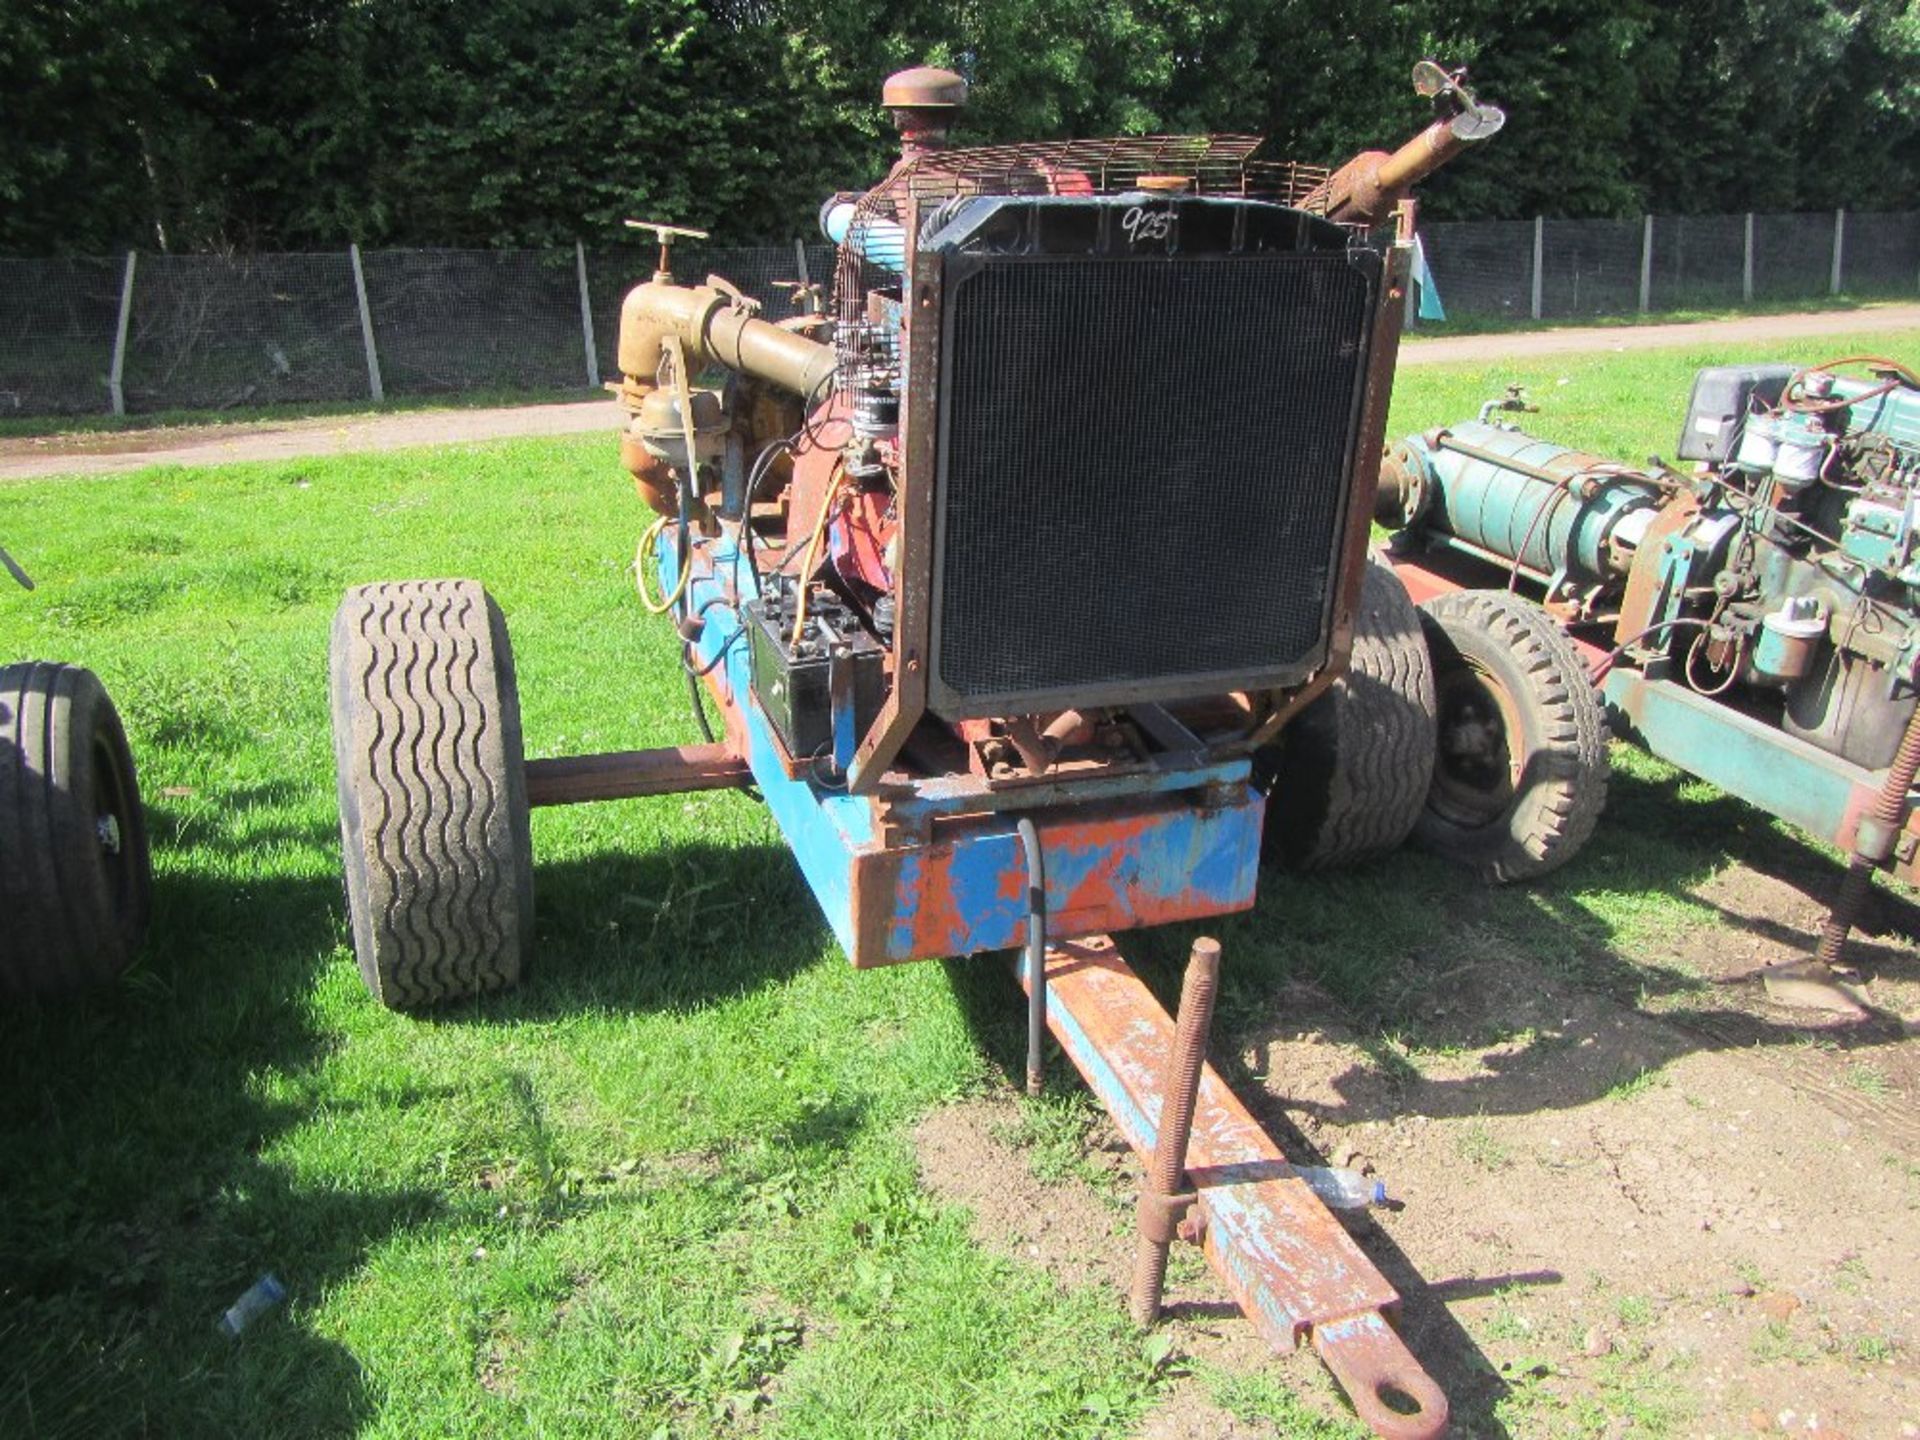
1507	495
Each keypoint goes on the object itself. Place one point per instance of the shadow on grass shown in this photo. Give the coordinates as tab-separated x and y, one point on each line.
671	929
135	1206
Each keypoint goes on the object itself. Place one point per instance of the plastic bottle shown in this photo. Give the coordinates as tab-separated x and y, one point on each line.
261	1296
1342	1189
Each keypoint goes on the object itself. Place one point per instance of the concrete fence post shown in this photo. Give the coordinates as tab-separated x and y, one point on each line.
116	389
1539	263
586	317
1839	250
1646	265
374	387
1746	263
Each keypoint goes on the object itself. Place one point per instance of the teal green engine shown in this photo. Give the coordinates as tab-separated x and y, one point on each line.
1780	573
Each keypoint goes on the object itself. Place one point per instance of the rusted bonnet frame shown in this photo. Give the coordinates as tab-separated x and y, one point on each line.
1289	1264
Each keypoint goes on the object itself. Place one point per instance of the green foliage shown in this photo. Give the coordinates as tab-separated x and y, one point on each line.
293	123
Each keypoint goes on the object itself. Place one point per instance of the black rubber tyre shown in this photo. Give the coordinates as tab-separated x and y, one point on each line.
433	794
75	881
1350	773
1520	777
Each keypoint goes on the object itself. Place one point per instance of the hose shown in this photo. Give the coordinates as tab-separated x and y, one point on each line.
1036	955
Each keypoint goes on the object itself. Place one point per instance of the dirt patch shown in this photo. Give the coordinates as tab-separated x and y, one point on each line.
1689	1215
1079	1229
105	452
1672	1209
1071	1230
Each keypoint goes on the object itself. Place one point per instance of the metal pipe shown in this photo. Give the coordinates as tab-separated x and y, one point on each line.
1873	843
1163	1193
714	325
1036	955
710	325
1365	189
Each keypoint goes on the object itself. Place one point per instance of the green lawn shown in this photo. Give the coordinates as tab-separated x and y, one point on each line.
666	1188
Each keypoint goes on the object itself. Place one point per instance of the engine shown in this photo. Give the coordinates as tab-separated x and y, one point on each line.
1078	457
1780	575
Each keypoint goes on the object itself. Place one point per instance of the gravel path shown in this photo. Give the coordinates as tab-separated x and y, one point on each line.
103	452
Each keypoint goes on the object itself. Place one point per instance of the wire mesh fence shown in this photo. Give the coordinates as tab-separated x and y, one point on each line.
58	319
156	332
217	331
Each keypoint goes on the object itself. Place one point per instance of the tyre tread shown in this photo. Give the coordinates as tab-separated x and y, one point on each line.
426	717
1354	768
1556	817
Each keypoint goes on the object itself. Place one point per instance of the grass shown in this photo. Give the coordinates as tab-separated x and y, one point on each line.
666	1188
1476	1144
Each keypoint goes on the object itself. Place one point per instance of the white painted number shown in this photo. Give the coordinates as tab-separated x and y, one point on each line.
1142	224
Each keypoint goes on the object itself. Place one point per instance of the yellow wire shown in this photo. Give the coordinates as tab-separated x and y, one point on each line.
643	562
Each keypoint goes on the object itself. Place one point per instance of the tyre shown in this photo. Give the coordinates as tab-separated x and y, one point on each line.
75	879
433	795
1350	774
1520	777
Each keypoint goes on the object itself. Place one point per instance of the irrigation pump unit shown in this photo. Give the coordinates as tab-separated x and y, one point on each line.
1754	619
1020	572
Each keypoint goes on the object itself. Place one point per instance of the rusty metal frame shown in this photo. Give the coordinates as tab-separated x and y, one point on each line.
913	620
1291	1266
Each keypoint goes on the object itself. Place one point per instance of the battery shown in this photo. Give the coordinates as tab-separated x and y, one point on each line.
792	683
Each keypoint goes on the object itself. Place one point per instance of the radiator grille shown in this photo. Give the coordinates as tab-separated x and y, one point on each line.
1144	467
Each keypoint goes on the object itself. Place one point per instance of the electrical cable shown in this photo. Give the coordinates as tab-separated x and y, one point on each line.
762	467
813	553
699	709
1607	661
643	562
1733	665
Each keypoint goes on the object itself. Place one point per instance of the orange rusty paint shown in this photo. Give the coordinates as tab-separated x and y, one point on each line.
1290	1265
1089	851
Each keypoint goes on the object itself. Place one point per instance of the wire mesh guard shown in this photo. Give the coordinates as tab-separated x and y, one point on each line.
1211	165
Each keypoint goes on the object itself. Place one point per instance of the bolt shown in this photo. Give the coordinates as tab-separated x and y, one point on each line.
107	827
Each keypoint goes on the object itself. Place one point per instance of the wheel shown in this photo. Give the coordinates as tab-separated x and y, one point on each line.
75	880
1521	774
433	794
1350	773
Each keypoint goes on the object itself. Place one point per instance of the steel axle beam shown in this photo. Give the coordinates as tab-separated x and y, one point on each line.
630	774
1290	1264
